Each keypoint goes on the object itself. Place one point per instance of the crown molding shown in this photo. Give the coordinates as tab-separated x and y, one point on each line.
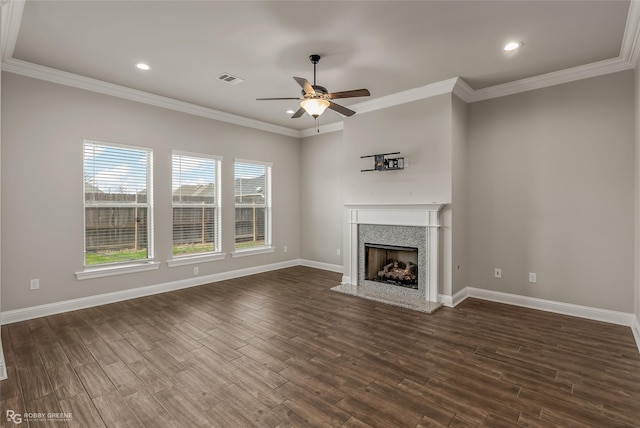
463	91
630	49
551	79
410	95
11	11
74	80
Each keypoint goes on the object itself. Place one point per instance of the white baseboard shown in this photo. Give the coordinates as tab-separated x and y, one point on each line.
18	315
3	367
635	328
445	300
320	265
453	301
613	317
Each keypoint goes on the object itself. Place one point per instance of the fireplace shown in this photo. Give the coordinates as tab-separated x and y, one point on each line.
391	264
379	236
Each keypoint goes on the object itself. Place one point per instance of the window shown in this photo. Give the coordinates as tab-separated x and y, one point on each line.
196	204
253	204
118	217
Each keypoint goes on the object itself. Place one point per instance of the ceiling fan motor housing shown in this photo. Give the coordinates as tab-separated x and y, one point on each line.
321	92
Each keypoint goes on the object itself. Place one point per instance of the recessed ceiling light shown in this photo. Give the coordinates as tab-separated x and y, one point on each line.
143	66
290	111
512	46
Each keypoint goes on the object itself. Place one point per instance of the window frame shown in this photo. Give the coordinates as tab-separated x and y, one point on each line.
127	266
268	205
216	253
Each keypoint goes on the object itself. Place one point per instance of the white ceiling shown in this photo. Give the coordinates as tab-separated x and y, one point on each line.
385	46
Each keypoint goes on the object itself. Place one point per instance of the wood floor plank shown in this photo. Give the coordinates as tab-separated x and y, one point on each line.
254	411
115	411
269	377
332	414
181	408
34	382
78	354
163	361
279	349
102	352
94	380
223	416
53	355
252	383
150	412
83	410
125	381
150	376
125	351
65	381
10	387
139	340
45	412
14	405
201	391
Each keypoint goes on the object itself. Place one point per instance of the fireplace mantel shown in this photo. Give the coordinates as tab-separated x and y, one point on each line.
420	215
397	215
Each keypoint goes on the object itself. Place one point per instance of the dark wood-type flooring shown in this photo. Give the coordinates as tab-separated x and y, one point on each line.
280	349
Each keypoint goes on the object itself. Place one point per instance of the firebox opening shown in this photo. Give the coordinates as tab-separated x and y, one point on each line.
391	264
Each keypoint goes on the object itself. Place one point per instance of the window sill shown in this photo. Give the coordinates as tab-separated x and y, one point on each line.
100	272
190	260
252	252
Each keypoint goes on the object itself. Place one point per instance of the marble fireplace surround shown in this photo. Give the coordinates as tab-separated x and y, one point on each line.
404	225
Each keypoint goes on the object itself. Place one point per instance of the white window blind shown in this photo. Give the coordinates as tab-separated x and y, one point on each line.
117	203
196	204
253	204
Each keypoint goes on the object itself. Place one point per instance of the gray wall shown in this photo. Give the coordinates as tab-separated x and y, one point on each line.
2	362
44	125
551	191
637	190
321	166
421	131
459	209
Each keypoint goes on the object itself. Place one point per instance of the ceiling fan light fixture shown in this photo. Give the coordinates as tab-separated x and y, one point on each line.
315	106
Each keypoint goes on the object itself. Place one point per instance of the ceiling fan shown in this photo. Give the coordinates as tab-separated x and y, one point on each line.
316	99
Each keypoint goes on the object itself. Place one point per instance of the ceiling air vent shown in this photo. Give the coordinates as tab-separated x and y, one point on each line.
230	79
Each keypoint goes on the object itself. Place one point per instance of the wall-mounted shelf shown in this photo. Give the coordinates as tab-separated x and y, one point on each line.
383	163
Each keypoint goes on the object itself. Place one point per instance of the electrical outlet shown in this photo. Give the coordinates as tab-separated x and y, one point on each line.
497	273
285	249
35	284
196	270
532	277
338	251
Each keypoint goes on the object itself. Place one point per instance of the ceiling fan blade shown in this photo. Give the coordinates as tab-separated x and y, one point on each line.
270	99
340	109
305	85
350	94
299	113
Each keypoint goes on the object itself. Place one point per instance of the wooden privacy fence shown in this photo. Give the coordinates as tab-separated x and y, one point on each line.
125	228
